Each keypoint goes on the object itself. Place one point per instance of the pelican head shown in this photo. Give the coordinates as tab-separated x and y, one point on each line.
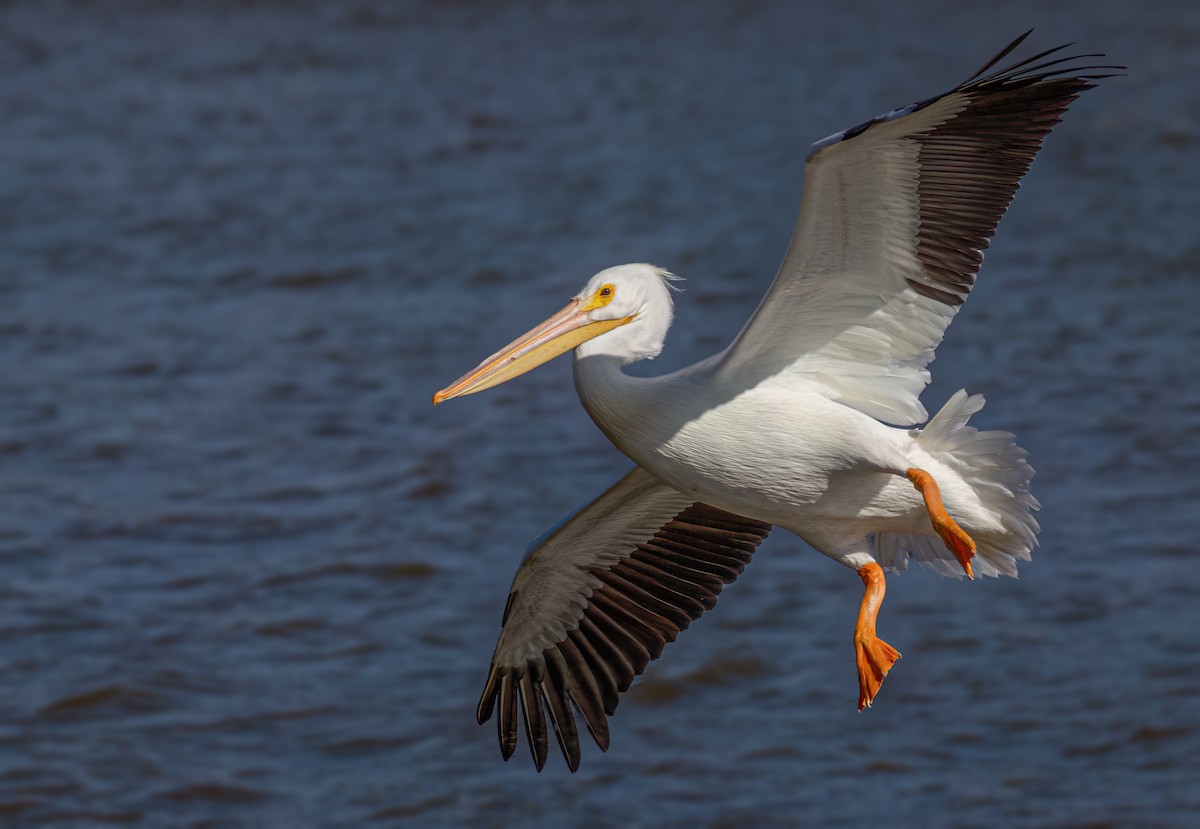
623	312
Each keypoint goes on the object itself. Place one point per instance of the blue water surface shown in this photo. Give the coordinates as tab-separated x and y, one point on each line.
251	577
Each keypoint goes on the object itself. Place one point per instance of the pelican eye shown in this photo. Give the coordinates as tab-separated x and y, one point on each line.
601	298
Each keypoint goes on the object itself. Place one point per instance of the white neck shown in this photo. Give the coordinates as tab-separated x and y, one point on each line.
638	414
611	397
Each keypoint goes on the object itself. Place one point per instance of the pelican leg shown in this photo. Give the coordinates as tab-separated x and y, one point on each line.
956	538
873	656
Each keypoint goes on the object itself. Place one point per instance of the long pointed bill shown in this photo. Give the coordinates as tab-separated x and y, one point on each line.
565	330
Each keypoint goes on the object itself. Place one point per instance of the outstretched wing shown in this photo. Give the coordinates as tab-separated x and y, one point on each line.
895	217
597	598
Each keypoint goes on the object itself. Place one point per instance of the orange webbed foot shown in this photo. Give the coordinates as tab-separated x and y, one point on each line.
954	536
875	658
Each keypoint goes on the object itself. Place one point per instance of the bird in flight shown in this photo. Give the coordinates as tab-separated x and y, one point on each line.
807	421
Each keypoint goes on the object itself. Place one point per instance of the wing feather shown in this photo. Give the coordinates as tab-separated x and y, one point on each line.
597	598
895	218
535	719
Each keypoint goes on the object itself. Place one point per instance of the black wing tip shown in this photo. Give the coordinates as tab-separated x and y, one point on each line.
507	749
487	700
1001	55
1025	71
641	604
1035	68
572	759
533	707
519	694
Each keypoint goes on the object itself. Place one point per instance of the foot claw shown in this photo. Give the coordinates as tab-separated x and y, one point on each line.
956	538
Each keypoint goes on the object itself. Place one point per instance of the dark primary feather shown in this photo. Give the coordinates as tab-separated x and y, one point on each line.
972	164
644	600
895	217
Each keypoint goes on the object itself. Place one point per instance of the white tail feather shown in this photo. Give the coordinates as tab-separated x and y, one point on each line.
995	469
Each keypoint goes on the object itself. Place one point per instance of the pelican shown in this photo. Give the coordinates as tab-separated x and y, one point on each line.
807	421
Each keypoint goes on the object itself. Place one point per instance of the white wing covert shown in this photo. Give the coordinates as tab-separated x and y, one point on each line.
598	597
895	217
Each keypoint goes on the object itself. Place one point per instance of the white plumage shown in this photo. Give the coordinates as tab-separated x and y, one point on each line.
789	426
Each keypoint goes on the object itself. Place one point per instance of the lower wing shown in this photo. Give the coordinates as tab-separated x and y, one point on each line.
597	598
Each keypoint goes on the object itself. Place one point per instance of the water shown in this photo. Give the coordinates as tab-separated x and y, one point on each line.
253	578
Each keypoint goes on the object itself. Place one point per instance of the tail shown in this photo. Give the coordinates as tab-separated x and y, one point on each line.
994	468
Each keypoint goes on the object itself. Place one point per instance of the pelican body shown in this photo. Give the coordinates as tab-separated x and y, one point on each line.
807	421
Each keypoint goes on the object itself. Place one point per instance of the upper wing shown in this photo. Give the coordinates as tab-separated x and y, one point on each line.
895	217
597	597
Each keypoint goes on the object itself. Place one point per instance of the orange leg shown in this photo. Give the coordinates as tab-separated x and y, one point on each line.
956	538
874	656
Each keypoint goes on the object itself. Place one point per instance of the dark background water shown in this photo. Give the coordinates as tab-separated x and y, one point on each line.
252	578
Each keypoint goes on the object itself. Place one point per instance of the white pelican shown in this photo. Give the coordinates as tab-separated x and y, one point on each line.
786	426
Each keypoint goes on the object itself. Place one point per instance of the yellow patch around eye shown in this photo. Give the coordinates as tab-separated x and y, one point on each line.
604	295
